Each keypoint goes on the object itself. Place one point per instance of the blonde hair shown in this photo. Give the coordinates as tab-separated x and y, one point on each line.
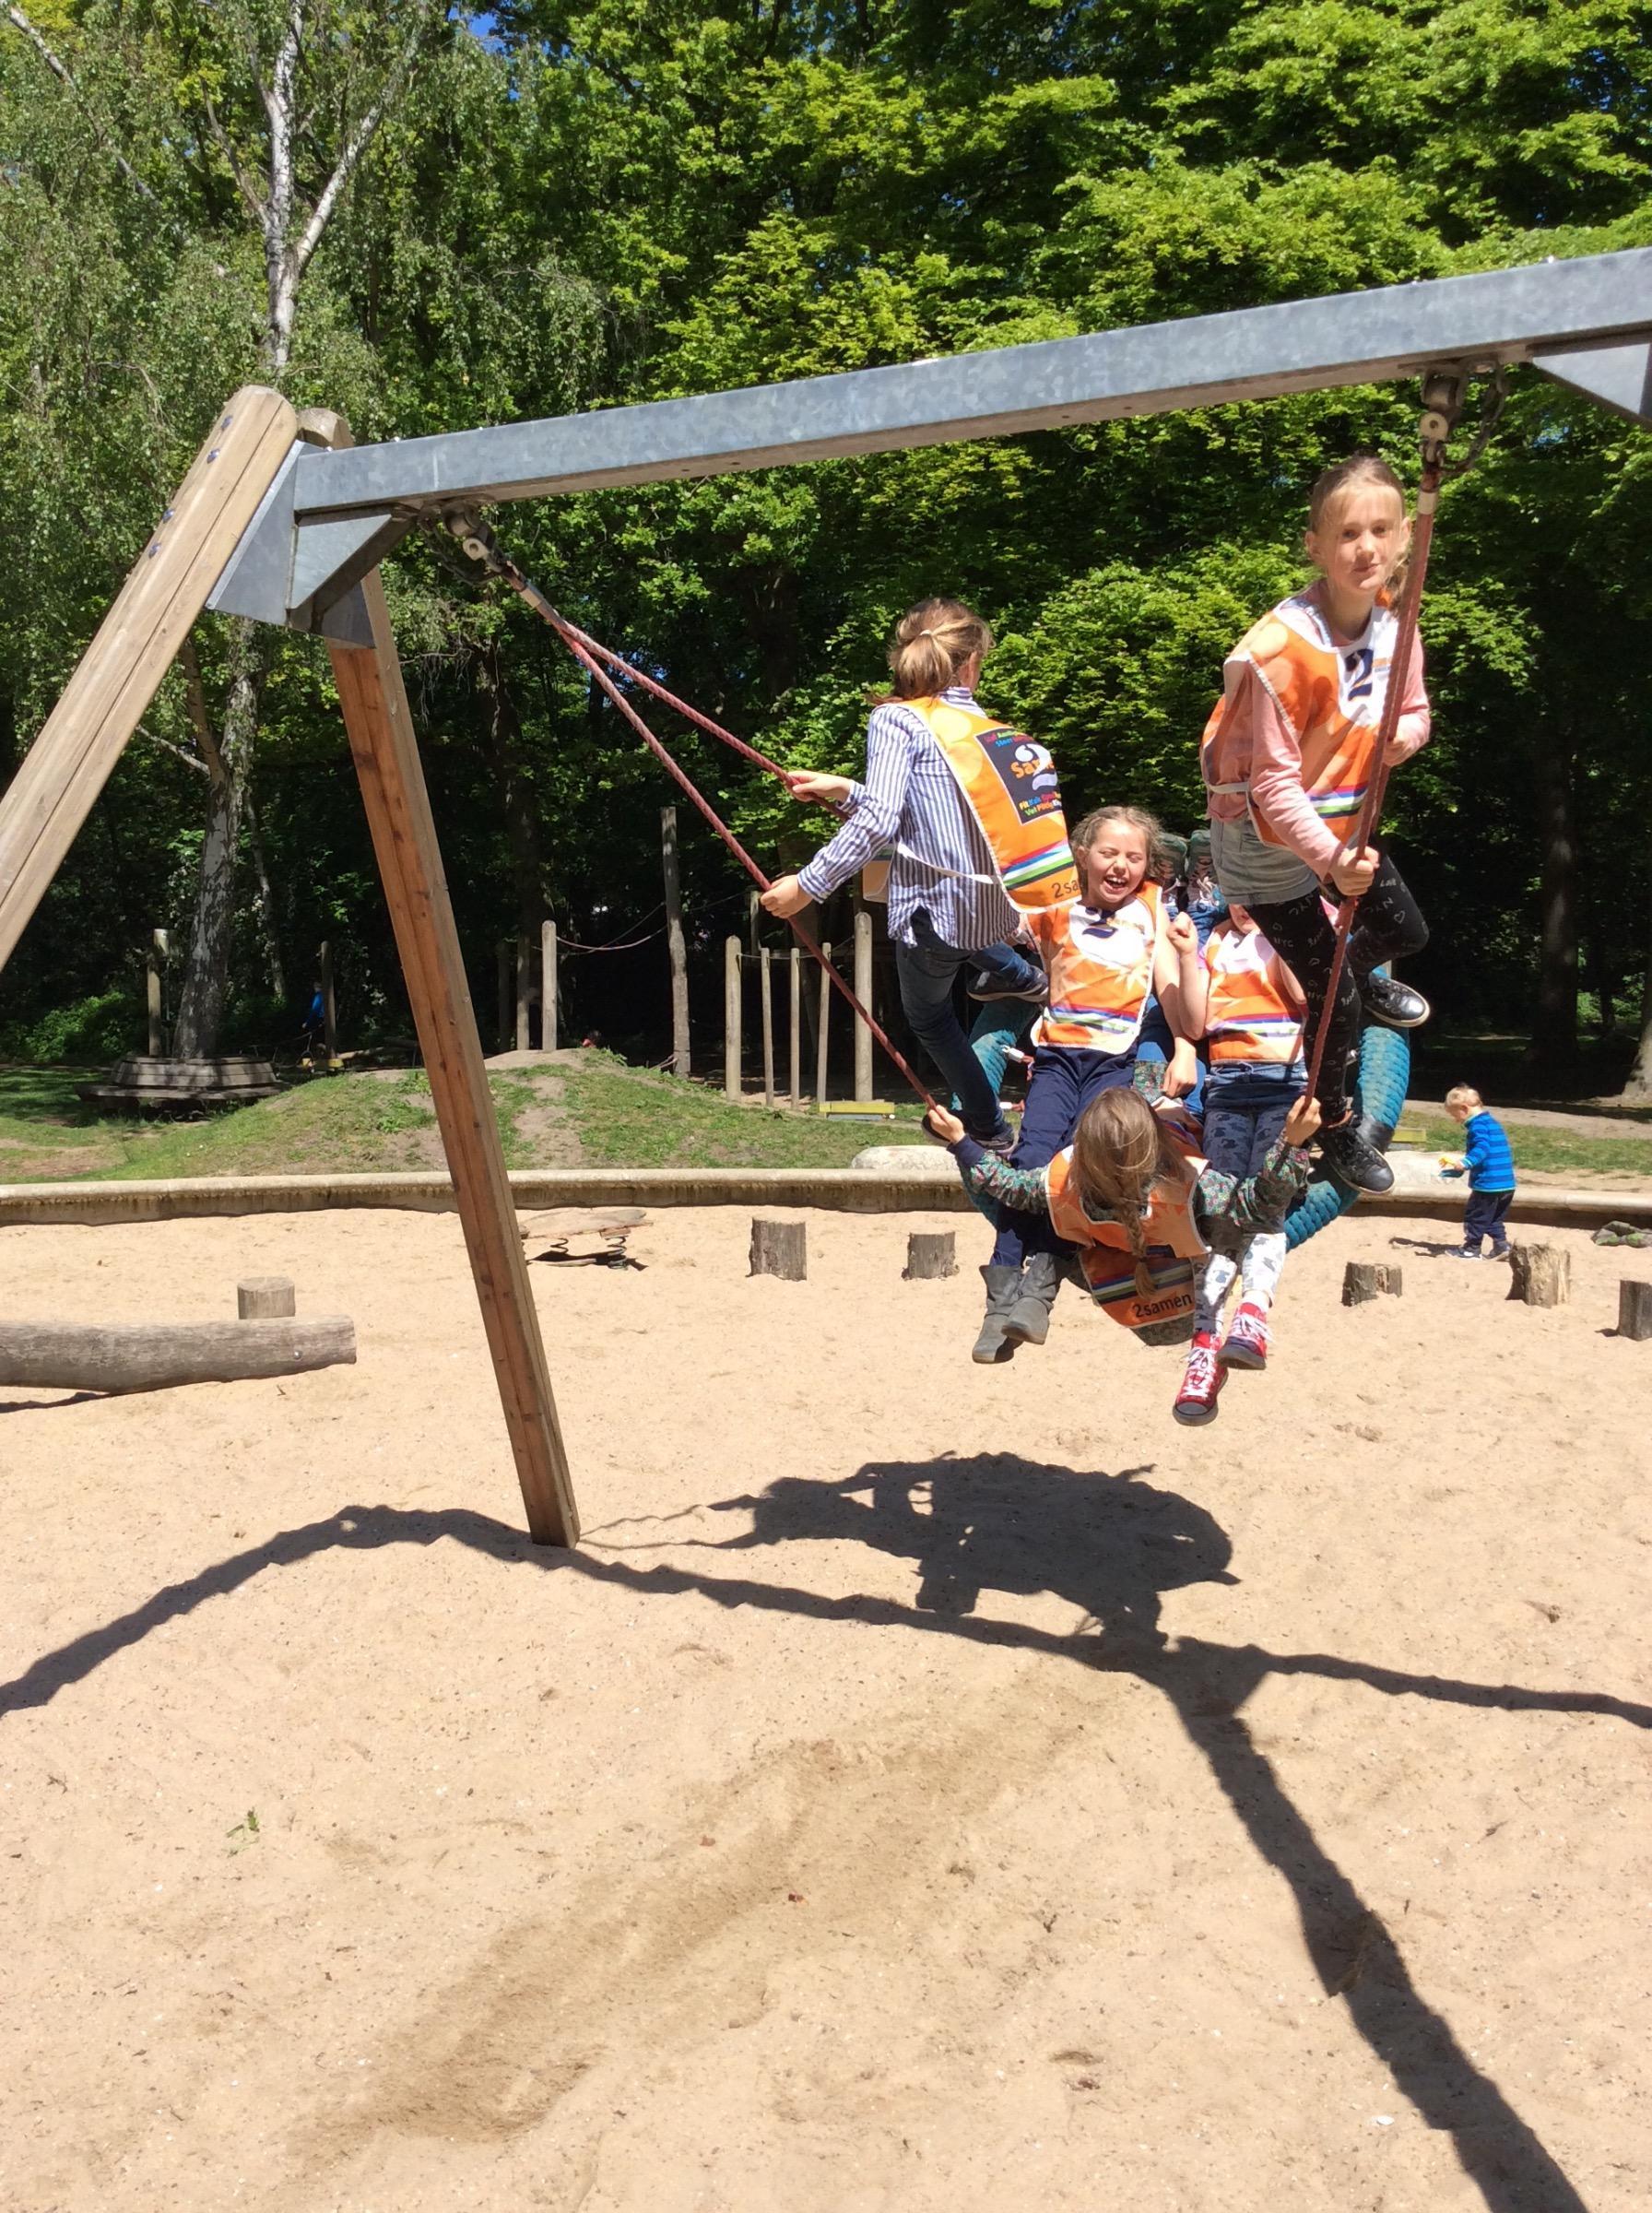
932	642
1463	1094
1091	827
1120	1150
1360	472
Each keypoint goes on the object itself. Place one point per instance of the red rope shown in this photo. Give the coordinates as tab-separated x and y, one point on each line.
1370	814
586	650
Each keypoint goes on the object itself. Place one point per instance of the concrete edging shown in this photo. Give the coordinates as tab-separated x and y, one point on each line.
844	1191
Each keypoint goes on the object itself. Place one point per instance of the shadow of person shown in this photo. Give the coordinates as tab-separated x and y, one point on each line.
1108	1545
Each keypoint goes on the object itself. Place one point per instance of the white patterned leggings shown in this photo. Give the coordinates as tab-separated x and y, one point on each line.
1258	1268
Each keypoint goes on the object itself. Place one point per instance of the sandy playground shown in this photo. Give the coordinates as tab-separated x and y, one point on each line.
929	1787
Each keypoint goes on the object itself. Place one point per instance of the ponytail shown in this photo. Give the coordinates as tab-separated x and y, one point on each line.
932	642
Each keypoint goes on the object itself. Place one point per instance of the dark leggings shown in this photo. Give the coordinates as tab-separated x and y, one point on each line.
1387	925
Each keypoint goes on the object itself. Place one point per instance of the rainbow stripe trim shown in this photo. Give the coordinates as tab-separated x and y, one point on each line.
1054	860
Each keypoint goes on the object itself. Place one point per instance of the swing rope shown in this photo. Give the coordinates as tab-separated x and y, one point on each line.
1442	402
479	543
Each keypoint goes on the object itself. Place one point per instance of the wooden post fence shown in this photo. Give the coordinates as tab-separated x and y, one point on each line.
731	1018
822	1026
507	995
766	983
797	1029
862	991
548	987
524	990
674	945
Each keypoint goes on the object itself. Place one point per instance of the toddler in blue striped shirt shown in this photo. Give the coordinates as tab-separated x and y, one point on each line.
1490	1166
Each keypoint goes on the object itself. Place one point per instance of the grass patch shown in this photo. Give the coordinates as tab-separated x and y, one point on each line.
627	1118
1544	1152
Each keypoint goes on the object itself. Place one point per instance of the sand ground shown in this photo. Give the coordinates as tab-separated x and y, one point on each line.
928	1787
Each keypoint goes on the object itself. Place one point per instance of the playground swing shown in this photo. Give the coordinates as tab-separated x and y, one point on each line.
282	519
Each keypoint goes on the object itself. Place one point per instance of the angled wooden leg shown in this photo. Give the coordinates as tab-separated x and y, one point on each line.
117	676
398	812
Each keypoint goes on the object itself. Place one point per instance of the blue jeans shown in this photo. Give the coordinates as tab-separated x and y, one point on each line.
926	972
1065	1080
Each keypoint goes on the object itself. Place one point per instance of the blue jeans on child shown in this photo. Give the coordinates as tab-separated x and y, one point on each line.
926	972
1064	1079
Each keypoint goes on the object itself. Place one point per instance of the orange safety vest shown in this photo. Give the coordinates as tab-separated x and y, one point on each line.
1101	966
1248	1014
1173	1244
1330	696
1009	785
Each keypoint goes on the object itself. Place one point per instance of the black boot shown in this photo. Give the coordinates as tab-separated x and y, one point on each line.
1393	1004
1348	1152
1029	1321
1003	1288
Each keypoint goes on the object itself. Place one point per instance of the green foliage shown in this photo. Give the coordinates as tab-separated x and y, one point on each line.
105	1028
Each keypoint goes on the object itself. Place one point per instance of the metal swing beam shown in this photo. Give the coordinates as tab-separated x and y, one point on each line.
282	520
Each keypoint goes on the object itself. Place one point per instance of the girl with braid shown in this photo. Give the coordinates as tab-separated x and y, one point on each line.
1145	1214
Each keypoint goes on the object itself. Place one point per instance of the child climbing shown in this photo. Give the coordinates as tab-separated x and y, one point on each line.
972	811
1144	1210
1287	755
1250	1007
1489	1164
1104	954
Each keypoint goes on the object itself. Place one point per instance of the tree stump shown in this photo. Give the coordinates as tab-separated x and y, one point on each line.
265	1298
780	1248
929	1255
1363	1280
1542	1274
1634	1310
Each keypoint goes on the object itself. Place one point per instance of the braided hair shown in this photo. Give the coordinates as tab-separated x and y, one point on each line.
1120	1150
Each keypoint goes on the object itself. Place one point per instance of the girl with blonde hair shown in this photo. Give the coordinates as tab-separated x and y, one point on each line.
1287	755
971	809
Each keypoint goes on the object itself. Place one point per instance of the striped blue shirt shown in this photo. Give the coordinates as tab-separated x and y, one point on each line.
910	800
1486	1157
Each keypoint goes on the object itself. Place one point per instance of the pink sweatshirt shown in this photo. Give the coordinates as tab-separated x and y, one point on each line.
1258	743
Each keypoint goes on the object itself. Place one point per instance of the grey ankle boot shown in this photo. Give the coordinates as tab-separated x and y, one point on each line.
1029	1322
1003	1288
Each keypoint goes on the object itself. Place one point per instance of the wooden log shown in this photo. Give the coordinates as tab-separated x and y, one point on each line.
766	981
117	676
824	1025
265	1298
380	726
1390	1278
1542	1274
731	1018
1359	1283
930	1254
780	1248
796	1027
1634	1309
862	991
548	987
60	1355
676	945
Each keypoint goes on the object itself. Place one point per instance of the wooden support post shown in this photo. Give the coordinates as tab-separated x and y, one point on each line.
1634	1309
862	991
506	1027
265	1298
548	987
780	1248
524	990
930	1254
797	1026
731	1018
766	977
329	1007
1542	1274
117	676
824	1025
676	947
380	724
152	965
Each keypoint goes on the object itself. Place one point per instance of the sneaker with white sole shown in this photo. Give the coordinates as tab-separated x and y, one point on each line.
1201	1386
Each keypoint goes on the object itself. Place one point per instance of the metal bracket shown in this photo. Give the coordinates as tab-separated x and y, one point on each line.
1619	376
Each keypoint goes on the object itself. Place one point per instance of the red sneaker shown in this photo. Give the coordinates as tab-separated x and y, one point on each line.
1246	1344
1201	1385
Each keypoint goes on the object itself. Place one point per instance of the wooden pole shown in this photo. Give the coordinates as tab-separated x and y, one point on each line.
862	991
380	724
524	988
765	977
731	1018
505	1027
548	987
157	953
821	1026
676	947
329	1006
796	1036
117	676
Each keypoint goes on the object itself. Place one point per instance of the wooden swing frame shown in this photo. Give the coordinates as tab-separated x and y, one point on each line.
280	520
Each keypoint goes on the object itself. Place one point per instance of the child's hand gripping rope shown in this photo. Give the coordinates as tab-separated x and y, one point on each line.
1302	1124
